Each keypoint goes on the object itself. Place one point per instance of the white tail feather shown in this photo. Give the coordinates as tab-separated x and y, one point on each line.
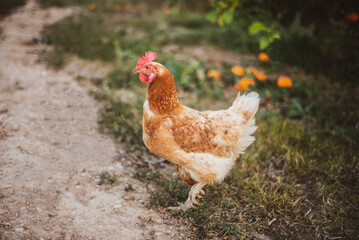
246	106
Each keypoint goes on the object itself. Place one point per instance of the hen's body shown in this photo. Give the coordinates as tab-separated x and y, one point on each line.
203	145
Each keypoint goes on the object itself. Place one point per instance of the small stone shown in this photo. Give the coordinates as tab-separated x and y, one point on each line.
129	198
3	211
67	238
117	206
19	230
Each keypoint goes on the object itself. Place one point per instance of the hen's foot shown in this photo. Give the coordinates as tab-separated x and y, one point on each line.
183	207
196	192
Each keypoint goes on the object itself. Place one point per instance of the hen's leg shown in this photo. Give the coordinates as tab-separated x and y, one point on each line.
195	192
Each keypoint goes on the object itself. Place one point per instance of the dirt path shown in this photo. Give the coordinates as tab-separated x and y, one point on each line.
51	152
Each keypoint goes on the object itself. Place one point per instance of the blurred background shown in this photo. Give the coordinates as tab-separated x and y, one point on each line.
303	60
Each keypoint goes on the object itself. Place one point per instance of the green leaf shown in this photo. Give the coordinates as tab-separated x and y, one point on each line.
212	16
263	43
221	21
228	16
256	27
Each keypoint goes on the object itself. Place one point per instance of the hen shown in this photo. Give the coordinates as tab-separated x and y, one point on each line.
203	145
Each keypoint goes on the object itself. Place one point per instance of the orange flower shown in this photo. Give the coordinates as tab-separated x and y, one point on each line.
284	82
252	70
92	6
117	8
214	73
261	76
130	9
244	83
237	70
167	10
263	57
353	16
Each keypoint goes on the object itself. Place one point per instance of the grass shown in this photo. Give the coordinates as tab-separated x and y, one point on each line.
107	178
300	177
297	175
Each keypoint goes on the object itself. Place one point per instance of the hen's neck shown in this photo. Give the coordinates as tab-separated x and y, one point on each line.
162	95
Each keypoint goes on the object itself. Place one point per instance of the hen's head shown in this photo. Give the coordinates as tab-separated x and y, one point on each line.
148	69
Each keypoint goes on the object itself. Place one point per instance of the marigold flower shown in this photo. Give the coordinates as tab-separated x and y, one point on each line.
237	70
214	73
130	9
263	57
261	76
353	16
252	70
92	6
167	10
117	8
284	82
244	83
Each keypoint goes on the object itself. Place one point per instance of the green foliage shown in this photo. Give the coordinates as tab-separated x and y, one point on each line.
223	12
265	34
192	77
327	44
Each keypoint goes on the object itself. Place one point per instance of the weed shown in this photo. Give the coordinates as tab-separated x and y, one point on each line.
123	120
145	174
129	187
53	58
107	178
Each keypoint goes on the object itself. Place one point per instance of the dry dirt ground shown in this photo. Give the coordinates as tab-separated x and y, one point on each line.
51	153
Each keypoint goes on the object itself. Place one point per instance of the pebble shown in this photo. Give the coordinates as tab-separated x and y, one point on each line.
19	230
128	198
3	211
117	206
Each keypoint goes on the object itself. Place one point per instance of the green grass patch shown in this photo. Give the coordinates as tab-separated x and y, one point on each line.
293	181
107	178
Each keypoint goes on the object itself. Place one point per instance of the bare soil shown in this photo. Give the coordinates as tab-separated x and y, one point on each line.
51	153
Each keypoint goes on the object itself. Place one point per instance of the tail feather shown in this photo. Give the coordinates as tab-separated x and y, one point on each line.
246	106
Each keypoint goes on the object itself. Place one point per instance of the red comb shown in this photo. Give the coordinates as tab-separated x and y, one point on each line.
149	57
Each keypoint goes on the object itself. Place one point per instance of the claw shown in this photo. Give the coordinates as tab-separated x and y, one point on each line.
173	209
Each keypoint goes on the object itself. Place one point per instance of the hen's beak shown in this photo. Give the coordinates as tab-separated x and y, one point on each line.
136	70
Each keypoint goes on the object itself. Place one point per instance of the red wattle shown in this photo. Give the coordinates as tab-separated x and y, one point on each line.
143	78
